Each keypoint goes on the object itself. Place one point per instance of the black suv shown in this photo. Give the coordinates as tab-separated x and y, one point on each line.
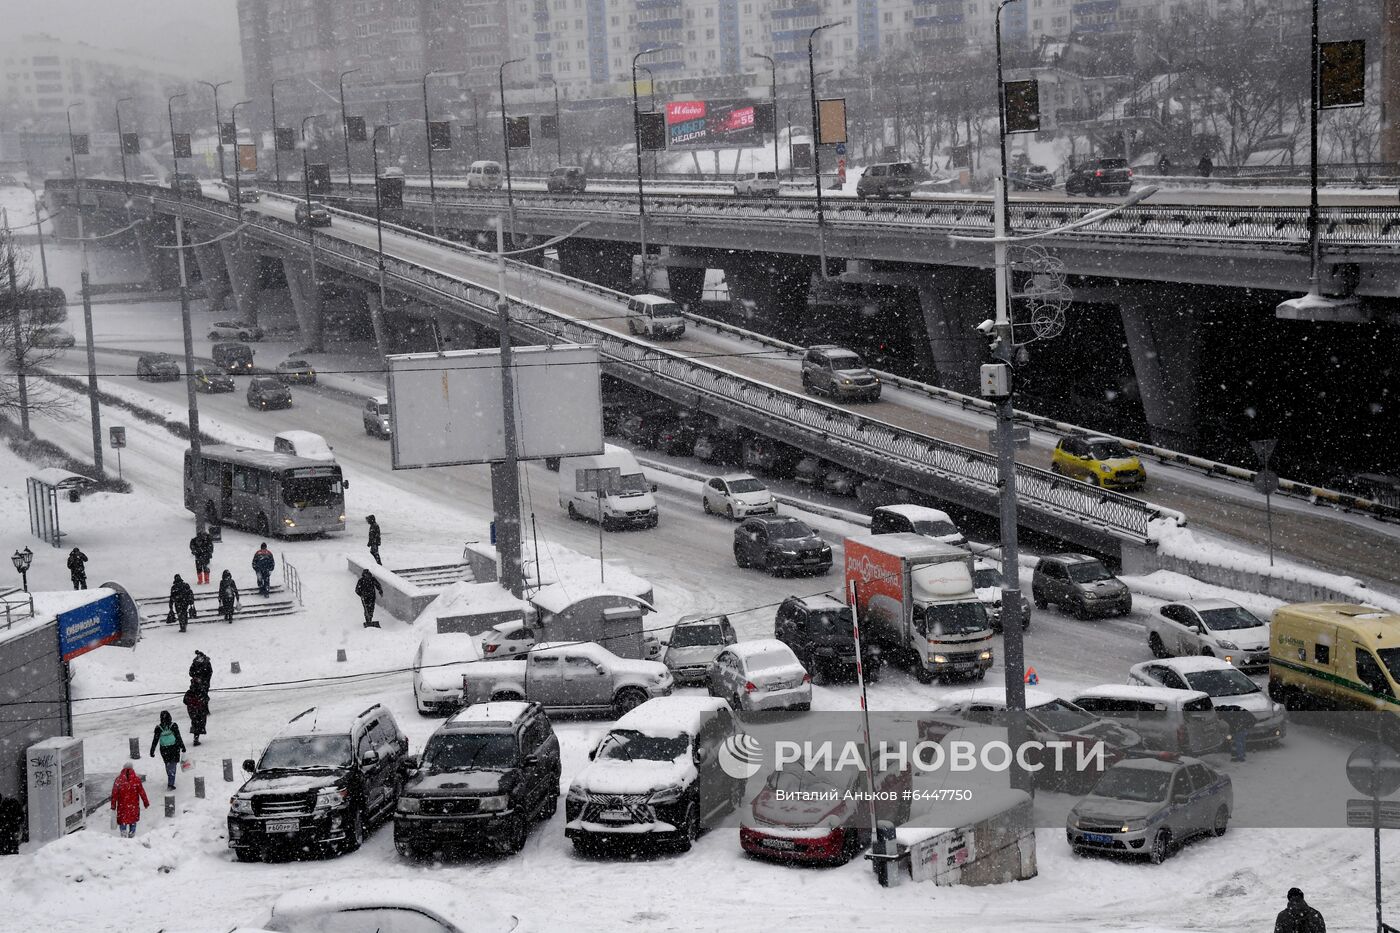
1100	176
157	367
568	178
777	542
266	392
819	631
186	184
325	779
485	775
233	357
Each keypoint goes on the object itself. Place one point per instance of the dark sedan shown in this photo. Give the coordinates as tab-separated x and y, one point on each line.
314	215
1032	178
266	392
211	380
777	543
157	367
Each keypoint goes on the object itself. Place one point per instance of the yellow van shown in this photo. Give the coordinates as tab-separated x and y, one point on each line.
1335	656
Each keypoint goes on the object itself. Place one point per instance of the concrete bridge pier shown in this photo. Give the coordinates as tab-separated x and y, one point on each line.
213	272
598	261
777	284
306	303
162	265
241	267
687	284
954	302
1163	340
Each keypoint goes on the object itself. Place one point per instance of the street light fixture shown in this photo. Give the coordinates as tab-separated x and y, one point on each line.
186	328
121	142
637	140
310	230
773	75
276	153
39	231
345	125
22	560
558	126
237	168
505	141
427	138
218	125
816	140
94	407
378	319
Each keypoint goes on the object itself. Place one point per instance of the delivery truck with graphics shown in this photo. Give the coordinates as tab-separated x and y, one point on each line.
915	600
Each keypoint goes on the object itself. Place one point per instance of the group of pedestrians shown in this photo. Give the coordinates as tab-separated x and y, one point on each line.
181	607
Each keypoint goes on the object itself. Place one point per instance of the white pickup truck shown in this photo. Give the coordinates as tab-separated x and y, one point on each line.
574	676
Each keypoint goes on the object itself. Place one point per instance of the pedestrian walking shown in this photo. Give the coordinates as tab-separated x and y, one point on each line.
366	588
202	547
128	797
11	824
1239	721
181	603
1299	916
77	569
263	565
228	596
202	669
374	539
1164	165
1205	166
197	705
172	746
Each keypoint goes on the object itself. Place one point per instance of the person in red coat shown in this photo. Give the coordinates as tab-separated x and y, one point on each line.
128	796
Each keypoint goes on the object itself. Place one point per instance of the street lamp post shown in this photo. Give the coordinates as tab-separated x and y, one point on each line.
651	106
22	560
121	145
39	228
773	75
237	173
345	125
816	140
558	126
186	328
94	407
218	125
505	141
637	141
377	319
310	230
428	138
276	154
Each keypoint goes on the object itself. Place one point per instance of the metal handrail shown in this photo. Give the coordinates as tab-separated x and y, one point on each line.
17	609
291	579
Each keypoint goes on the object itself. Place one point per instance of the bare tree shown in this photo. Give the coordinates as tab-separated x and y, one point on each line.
27	319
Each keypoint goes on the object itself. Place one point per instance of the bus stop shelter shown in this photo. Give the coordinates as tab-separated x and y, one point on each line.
43	489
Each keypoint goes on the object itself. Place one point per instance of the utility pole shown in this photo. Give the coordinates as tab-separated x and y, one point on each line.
637	141
20	348
345	126
816	143
187	333
94	407
505	474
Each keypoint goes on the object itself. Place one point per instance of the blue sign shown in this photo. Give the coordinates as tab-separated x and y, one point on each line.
840	149
91	626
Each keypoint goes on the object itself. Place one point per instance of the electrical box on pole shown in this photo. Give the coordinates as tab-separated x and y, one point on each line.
996	380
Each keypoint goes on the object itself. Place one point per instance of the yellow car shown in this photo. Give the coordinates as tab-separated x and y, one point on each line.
1102	461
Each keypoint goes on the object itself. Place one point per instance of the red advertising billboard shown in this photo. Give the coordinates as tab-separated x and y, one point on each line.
711	124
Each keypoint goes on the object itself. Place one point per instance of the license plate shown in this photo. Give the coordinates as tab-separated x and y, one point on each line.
446	827
282	826
1099	839
615	816
811	560
779	844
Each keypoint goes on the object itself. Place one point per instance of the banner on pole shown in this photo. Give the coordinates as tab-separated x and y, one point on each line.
439	135
549	126
518	132
652	129
1342	79
247	157
285	139
180	145
1022	106
831	121
355	129
228	133
131	144
79	142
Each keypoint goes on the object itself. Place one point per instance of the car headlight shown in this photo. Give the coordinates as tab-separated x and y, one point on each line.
241	806
938	658
576	794
410	804
342	518
1133	826
668	794
1073	820
289	523
1105	467
493	804
985	656
332	797
847	382
1228	645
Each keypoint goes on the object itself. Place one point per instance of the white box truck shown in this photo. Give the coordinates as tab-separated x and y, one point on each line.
915	600
630	505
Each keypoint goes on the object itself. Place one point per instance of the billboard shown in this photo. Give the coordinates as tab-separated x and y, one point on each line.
181	145
131	144
78	142
228	133
446	407
651	129
831	121
355	129
1342	79
518	132
439	135
318	177
90	626
711	124
1022	106
247	157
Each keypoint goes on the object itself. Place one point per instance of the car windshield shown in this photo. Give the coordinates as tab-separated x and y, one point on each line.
1061	716
790	529
798	783
955	619
1139	784
1088	571
767	176
693	636
450	751
746	485
902	169
935	527
491	170
633	484
832	624
266	385
1223	682
296	364
631	745
305	491
982	579
1108	450
663	309
1230	619
845	361
299	752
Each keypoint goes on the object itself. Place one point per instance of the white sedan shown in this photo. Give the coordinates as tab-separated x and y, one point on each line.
234	330
415	904
762	674
507	640
1212	627
737	497
1224	684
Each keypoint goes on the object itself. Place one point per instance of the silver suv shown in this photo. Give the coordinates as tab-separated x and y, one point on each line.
1151	806
839	373
1079	584
693	644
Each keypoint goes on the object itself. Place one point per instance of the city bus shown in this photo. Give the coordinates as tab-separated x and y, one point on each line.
266	492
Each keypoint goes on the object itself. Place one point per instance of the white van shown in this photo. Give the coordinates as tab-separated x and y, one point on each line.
654	316
764	184
634	506
484	174
307	444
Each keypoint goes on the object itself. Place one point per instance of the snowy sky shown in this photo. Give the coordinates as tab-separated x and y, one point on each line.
190	31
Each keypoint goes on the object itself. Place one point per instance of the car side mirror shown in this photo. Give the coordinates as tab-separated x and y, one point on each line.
248	765
344	484
701	755
408	763
530	761
369	757
600	669
653	487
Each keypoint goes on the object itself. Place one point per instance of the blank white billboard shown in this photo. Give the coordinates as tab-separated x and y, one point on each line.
446	407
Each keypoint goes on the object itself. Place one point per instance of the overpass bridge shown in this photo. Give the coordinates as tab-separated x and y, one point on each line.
912	438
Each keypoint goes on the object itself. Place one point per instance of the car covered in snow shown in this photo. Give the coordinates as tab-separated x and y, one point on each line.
507	640
321	783
1150	807
296	371
157	367
693	644
759	675
737	496
437	670
408	905
1215	627
1226	686
305	444
918	520
655	777
987	582
570	676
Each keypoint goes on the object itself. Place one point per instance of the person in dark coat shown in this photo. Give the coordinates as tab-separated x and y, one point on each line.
1298	916
263	565
128	797
76	569
228	596
181	601
12	820
1239	722
1164	165
1204	166
374	539
202	547
197	705
366	588
172	746
202	669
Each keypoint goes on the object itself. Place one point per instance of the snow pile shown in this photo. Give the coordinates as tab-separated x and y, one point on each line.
467	598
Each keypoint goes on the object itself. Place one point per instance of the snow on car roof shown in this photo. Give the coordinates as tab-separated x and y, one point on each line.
448	902
1199	604
1168	763
757	646
450	647
503	712
1192	663
735	477
995	696
331	719
917	512
671	716
1140	692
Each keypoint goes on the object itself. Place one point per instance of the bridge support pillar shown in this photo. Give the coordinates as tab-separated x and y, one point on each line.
214	274
687	284
241	265
305	302
162	270
1163	342
598	261
953	302
777	285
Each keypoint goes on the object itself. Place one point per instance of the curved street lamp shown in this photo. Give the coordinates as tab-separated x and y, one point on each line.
22	560
505	141
218	125
773	75
121	141
637	141
344	125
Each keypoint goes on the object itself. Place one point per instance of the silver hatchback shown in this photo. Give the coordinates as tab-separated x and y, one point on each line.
1150	807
